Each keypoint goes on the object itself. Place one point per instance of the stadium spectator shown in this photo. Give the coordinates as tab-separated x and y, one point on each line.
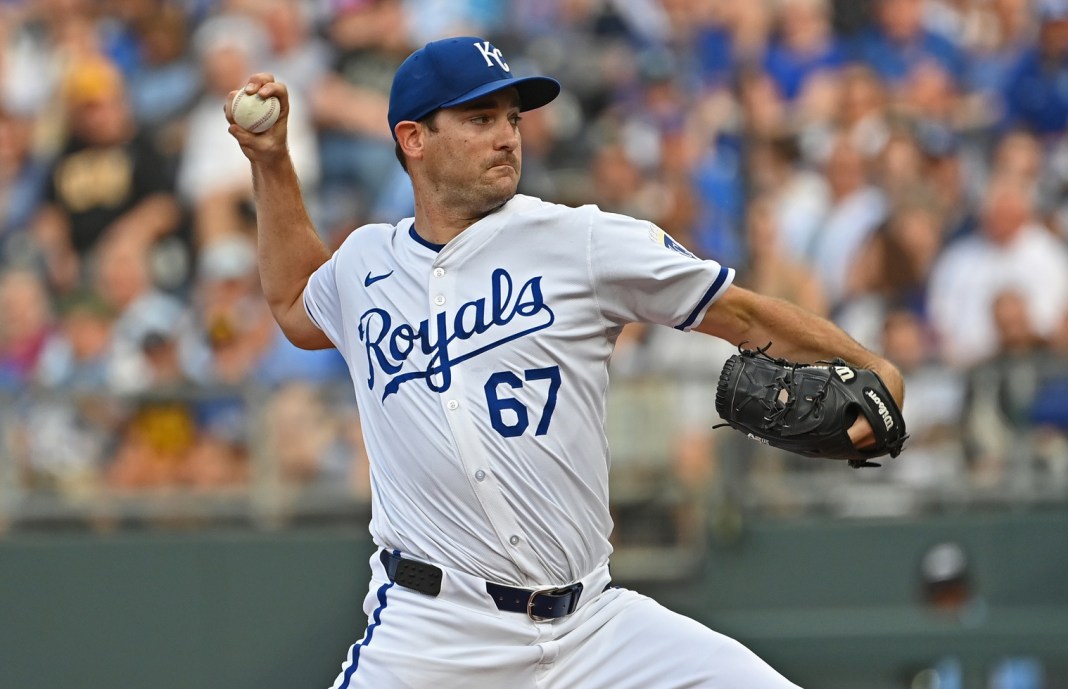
301	433
213	175
949	178
316	443
42	41
857	209
770	269
160	429
108	185
804	48
799	194
1012	251
899	43
79	355
165	81
618	185
1000	393
763	110
152	448
928	98
297	54
1034	93
217	465
895	265
862	114
898	168
231	315
177	434
1019	153
936	402
25	325
995	38
23	172
122	279
349	106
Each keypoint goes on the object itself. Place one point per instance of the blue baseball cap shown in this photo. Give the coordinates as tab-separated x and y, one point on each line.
452	71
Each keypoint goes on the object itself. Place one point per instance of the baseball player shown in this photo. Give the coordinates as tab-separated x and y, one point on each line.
478	335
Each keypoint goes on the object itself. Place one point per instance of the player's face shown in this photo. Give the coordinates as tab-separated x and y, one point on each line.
473	159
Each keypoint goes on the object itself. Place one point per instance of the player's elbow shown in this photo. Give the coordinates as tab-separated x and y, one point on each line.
732	317
307	340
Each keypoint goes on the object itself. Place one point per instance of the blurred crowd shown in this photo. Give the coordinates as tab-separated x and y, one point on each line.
900	166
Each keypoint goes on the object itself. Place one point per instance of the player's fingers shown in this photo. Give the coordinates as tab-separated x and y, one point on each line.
861	433
264	84
239	133
227	109
258	81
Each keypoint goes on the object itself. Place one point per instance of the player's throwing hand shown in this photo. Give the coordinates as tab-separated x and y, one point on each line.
270	144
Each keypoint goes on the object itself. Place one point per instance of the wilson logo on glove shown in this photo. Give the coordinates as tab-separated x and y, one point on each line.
881	408
845	373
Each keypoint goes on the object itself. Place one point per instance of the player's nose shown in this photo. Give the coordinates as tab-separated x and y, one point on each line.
507	136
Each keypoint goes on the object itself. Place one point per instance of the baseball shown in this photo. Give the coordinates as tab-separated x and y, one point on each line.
253	112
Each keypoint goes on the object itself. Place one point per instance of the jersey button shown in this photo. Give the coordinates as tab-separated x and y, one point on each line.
453	405
439	272
514	540
439	300
480	475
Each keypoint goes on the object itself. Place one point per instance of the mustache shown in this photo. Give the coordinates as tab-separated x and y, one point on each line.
506	159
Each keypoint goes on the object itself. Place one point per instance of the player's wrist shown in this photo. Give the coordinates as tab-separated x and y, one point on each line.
273	165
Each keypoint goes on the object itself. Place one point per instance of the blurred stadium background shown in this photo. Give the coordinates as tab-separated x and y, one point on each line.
184	496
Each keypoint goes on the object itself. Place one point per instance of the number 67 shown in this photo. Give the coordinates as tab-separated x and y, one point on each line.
497	405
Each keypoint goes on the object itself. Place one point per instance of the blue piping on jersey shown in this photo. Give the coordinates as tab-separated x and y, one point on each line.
377	617
429	245
716	284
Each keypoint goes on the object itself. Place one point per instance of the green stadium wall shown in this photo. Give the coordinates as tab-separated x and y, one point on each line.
832	604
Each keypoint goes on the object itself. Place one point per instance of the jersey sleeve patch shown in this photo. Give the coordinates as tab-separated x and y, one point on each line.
658	236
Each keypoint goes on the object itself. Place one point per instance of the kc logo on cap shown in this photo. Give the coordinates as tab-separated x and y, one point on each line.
488	51
453	71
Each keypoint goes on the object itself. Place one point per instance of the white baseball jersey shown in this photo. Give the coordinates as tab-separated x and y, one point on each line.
481	368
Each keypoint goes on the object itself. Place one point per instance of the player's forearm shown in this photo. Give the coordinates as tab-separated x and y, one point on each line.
795	334
289	248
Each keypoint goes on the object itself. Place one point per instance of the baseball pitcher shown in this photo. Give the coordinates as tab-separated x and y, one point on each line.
478	335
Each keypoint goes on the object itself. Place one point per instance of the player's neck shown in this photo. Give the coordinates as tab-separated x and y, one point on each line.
440	224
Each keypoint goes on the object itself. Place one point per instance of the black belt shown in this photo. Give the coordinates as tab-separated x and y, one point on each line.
538	604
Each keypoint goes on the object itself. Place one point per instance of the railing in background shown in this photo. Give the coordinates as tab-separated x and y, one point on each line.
265	459
183	458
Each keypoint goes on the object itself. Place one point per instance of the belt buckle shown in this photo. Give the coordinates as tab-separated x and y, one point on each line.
575	588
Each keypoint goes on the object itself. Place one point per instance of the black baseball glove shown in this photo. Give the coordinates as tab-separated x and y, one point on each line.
808	409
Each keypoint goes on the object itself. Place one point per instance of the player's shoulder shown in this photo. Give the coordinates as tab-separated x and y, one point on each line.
538	210
522	207
626	230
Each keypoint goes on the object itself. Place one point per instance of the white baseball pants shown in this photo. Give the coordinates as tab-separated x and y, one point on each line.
616	639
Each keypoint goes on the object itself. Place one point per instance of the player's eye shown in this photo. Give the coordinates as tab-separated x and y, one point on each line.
516	119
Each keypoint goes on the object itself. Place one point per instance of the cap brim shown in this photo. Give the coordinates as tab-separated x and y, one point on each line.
534	92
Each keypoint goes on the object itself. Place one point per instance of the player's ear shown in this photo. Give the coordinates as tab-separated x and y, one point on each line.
409	138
